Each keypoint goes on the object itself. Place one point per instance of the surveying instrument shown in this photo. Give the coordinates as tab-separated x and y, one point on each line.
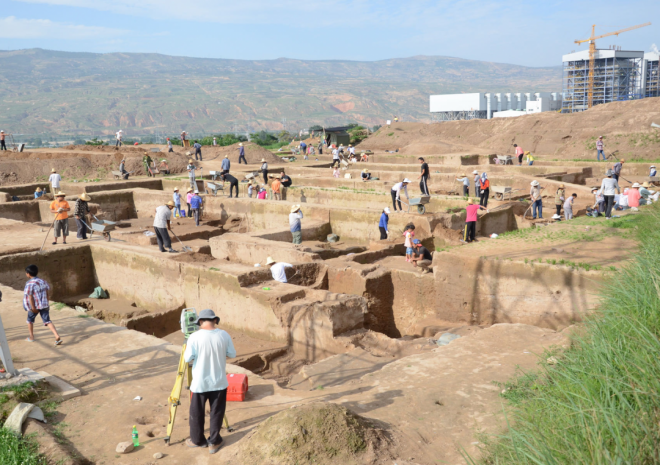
188	326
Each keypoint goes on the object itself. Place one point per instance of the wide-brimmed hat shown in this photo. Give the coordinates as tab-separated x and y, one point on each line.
646	184
608	173
463	175
636	185
196	192
295	208
652	166
226	156
190	161
270	261
526	153
594	189
38	189
207	315
365	170
60	194
241	144
556	217
176	189
188	153
263	160
53	170
170	204
623	160
84	197
475	172
561	186
387	210
190	189
406	180
534	183
470	202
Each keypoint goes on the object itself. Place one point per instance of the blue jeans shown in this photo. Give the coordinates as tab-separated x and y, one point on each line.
531	163
537	204
177	208
600	152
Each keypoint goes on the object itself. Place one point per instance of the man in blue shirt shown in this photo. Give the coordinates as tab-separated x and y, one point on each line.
198	150
303	148
241	153
196	205
208	349
294	224
382	224
226	164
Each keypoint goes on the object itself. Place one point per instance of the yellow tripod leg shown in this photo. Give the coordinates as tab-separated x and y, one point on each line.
175	396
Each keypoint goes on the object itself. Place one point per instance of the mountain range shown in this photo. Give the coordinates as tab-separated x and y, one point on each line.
52	92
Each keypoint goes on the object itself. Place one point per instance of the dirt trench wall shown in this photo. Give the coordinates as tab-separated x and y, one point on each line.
26	210
477	291
69	271
240	248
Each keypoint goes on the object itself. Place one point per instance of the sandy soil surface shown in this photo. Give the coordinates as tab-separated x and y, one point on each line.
626	127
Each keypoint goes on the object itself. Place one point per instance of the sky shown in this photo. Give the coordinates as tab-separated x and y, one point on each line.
523	32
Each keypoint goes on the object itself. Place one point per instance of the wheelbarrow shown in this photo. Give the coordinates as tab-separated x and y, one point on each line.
215	187
501	191
418	202
101	226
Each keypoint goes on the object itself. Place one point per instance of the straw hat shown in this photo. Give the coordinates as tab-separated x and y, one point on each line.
226	156
534	183
526	153
365	170
190	189
623	160
270	261
170	204
249	183
38	189
53	170
470	202
295	208
62	194
263	160
464	175
176	189
636	185
646	184
561	186
241	144
84	197
190	161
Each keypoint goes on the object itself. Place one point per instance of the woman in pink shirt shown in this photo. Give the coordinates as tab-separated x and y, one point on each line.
471	221
188	197
634	196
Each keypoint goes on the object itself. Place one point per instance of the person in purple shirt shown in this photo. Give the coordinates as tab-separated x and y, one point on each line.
241	153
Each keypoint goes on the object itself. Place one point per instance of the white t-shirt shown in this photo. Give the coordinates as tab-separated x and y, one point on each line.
398	187
163	214
278	271
54	180
622	200
119	134
208	350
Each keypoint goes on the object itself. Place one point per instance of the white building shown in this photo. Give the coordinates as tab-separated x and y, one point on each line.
453	107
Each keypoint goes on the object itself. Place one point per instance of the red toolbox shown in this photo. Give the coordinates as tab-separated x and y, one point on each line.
238	387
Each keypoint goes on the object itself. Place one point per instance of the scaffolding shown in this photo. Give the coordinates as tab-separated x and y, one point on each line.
615	79
652	78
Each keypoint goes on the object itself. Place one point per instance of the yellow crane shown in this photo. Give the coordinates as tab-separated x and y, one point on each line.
592	55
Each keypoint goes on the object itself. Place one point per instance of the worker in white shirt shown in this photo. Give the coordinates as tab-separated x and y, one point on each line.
119	136
396	193
54	180
278	269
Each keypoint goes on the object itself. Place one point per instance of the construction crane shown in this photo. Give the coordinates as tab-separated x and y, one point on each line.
592	55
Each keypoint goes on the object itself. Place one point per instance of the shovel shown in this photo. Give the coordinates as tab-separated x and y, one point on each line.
185	248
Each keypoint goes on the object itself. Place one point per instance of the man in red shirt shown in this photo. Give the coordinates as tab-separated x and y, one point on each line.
471	221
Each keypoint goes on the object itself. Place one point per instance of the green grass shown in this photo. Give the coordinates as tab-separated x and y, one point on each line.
19	451
600	403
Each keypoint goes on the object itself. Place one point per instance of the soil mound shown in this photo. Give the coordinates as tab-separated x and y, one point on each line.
105	148
625	126
319	433
253	152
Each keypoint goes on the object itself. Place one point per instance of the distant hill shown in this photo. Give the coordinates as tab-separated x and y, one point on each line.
43	91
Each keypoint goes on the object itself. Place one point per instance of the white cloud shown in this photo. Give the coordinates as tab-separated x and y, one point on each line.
17	28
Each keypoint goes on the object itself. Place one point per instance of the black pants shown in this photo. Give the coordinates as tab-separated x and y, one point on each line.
470	231
609	201
218	403
466	190
558	209
189	210
394	201
424	186
198	152
265	172
232	186
3	146
125	174
163	239
320	150
171	150
82	229
520	159
242	157
483	201
616	176
383	233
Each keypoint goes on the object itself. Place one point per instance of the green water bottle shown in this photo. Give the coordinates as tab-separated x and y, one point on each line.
136	440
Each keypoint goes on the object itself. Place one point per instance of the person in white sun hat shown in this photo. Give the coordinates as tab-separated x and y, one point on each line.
396	193
278	269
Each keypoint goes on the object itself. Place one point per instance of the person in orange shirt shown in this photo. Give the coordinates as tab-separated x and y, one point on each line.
276	186
60	208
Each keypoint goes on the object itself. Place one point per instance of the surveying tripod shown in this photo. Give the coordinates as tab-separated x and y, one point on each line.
188	316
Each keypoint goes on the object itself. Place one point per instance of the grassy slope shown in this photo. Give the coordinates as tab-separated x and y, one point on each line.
43	90
600	403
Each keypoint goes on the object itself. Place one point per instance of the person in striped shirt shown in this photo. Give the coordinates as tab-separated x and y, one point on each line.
35	302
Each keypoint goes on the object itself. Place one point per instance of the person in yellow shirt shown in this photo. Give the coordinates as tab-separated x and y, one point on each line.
60	208
530	158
